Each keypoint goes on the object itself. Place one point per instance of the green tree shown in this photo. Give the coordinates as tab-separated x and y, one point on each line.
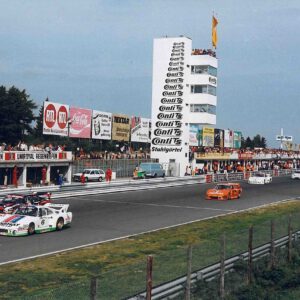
16	114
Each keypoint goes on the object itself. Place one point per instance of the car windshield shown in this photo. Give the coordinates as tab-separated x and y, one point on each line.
147	167
222	187
86	171
31	211
260	175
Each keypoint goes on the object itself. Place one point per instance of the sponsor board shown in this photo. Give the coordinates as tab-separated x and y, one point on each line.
120	127
55	118
237	139
208	136
228	138
140	130
212	156
101	125
195	135
80	122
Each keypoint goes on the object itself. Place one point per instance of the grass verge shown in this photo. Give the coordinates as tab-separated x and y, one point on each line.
122	262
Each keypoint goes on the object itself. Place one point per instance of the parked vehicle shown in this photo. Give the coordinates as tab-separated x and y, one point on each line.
151	170
90	175
224	191
296	174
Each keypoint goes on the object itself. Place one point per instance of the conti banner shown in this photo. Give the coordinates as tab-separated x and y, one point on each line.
195	137
120	127
219	138
208	136
237	139
140	130
101	126
55	119
80	122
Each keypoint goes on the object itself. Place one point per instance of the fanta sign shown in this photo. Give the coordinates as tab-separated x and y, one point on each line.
55	118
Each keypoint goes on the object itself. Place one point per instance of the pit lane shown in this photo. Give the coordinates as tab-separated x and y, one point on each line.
98	218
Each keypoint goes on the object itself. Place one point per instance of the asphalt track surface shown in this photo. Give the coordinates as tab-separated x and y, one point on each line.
98	218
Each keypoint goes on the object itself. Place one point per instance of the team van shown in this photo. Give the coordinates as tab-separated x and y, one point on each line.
152	170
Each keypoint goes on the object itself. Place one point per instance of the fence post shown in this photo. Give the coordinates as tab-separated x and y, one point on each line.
222	267
250	248
149	277
93	288
290	239
272	250
189	272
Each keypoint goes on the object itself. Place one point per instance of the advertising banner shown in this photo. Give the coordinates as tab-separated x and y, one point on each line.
80	120
228	138
195	137
170	135
101	126
55	119
237	139
206	156
219	138
120	127
208	136
140	130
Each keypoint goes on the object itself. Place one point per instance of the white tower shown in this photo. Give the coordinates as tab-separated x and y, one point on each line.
183	93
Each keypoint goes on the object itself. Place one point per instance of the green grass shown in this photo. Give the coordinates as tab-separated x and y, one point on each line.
123	263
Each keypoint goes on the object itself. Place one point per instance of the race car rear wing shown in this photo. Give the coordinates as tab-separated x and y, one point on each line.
59	207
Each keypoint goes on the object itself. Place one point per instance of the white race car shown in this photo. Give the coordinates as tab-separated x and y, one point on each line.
260	178
32	219
296	174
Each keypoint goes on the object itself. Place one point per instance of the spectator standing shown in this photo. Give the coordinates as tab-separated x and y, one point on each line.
15	176
108	175
5	177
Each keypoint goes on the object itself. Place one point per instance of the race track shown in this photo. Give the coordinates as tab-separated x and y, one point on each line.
98	218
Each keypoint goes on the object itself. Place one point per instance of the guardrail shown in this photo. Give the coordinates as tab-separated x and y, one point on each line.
176	287
113	186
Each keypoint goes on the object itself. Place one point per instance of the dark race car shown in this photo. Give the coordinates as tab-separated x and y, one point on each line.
10	203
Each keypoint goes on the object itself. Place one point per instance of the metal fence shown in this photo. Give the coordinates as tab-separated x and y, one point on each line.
122	167
218	266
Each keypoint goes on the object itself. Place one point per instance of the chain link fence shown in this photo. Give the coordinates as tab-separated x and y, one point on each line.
122	167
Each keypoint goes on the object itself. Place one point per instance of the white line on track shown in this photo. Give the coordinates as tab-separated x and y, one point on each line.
164	205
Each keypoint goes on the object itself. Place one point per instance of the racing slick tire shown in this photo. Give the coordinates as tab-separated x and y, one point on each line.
100	179
31	229
60	224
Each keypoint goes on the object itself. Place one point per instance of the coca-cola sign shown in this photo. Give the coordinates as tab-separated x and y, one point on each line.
80	122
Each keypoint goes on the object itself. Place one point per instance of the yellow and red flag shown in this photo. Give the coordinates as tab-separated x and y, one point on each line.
214	36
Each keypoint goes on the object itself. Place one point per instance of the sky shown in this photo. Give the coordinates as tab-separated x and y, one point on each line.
98	54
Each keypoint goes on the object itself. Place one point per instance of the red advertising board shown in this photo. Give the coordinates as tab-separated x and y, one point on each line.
80	122
55	119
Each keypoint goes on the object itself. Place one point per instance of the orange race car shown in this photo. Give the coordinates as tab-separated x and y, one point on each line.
224	191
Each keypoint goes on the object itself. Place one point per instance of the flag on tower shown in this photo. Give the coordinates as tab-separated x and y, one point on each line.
214	36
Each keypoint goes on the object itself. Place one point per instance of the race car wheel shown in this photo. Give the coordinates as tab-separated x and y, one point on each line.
100	179
31	229
59	224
